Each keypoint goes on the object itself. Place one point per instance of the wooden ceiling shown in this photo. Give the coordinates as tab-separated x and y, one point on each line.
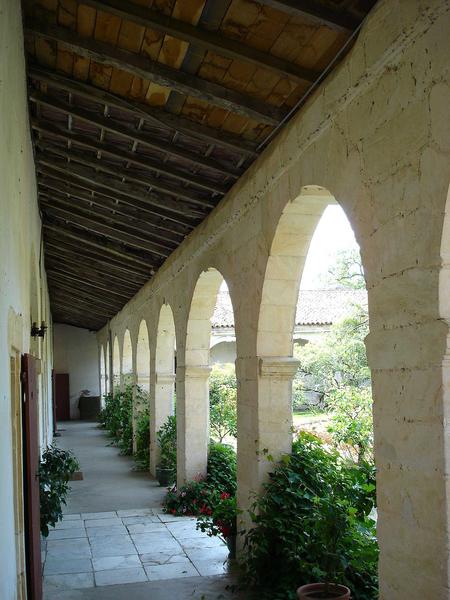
145	113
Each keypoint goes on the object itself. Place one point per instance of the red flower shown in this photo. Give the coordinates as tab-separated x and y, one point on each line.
226	531
224	496
173	511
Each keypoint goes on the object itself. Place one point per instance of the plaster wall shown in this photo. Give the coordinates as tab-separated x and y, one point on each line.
76	353
23	289
375	138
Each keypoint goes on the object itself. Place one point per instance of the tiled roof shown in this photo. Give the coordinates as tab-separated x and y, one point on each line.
314	307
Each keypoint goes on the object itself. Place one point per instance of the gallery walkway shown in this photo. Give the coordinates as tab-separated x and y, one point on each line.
115	542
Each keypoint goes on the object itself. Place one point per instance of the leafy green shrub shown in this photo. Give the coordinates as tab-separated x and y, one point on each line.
222	468
117	417
222	402
142	454
203	495
167	442
55	468
311	524
221	519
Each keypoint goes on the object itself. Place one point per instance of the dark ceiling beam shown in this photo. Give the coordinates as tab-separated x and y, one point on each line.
144	162
61	318
202	38
134	228
83	238
115	233
77	253
138	219
95	295
55	275
118	188
155	115
326	15
145	68
81	307
113	281
134	135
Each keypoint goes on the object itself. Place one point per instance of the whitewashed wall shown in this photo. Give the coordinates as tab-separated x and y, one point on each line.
75	352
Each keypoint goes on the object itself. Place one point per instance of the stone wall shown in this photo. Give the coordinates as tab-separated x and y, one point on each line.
23	295
374	138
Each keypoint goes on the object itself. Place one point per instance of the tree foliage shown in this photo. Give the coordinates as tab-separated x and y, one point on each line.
222	402
348	270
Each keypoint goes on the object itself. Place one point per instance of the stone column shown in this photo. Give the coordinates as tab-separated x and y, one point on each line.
264	418
161	406
192	421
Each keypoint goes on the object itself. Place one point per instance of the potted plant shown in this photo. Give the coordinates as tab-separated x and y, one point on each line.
332	515
167	442
221	520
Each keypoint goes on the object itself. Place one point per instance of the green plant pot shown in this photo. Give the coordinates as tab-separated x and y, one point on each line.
316	591
164	476
231	543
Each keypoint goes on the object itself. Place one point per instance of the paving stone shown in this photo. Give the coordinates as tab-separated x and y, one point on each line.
117	576
170	571
162	558
72	517
207	568
201	542
65	534
146	528
103	522
70	524
58	566
106	563
68	549
99	515
68	582
135	512
113	550
145	520
111	540
168	518
219	553
106	531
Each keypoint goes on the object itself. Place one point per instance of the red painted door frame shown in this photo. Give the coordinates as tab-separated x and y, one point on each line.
30	422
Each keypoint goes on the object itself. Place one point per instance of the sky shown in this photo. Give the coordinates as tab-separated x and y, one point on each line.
333	233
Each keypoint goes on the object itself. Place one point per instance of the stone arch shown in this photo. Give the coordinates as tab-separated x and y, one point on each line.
193	398
116	366
162	401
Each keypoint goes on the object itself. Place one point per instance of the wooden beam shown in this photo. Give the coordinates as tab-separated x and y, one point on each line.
311	9
58	187
136	228
82	306
115	233
134	135
83	238
97	295
108	279
143	162
79	279
118	188
145	68
77	252
202	38
61	319
70	256
155	115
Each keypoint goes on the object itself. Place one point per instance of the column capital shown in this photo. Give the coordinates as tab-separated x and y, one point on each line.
194	371
278	367
164	378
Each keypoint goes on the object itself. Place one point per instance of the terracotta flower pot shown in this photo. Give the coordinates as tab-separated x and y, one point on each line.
164	476
316	591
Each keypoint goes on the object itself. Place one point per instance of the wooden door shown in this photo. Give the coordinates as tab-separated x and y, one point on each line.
62	396
30	419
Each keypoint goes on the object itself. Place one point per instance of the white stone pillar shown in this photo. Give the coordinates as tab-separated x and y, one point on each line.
264	418
161	407
192	422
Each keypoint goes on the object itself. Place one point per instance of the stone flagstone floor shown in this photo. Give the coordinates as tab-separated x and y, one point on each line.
127	546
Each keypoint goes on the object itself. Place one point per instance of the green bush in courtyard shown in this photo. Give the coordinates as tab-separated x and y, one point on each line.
222	402
311	523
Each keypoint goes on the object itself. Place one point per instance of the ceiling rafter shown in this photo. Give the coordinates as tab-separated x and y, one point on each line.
146	163
203	39
141	66
155	115
134	135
